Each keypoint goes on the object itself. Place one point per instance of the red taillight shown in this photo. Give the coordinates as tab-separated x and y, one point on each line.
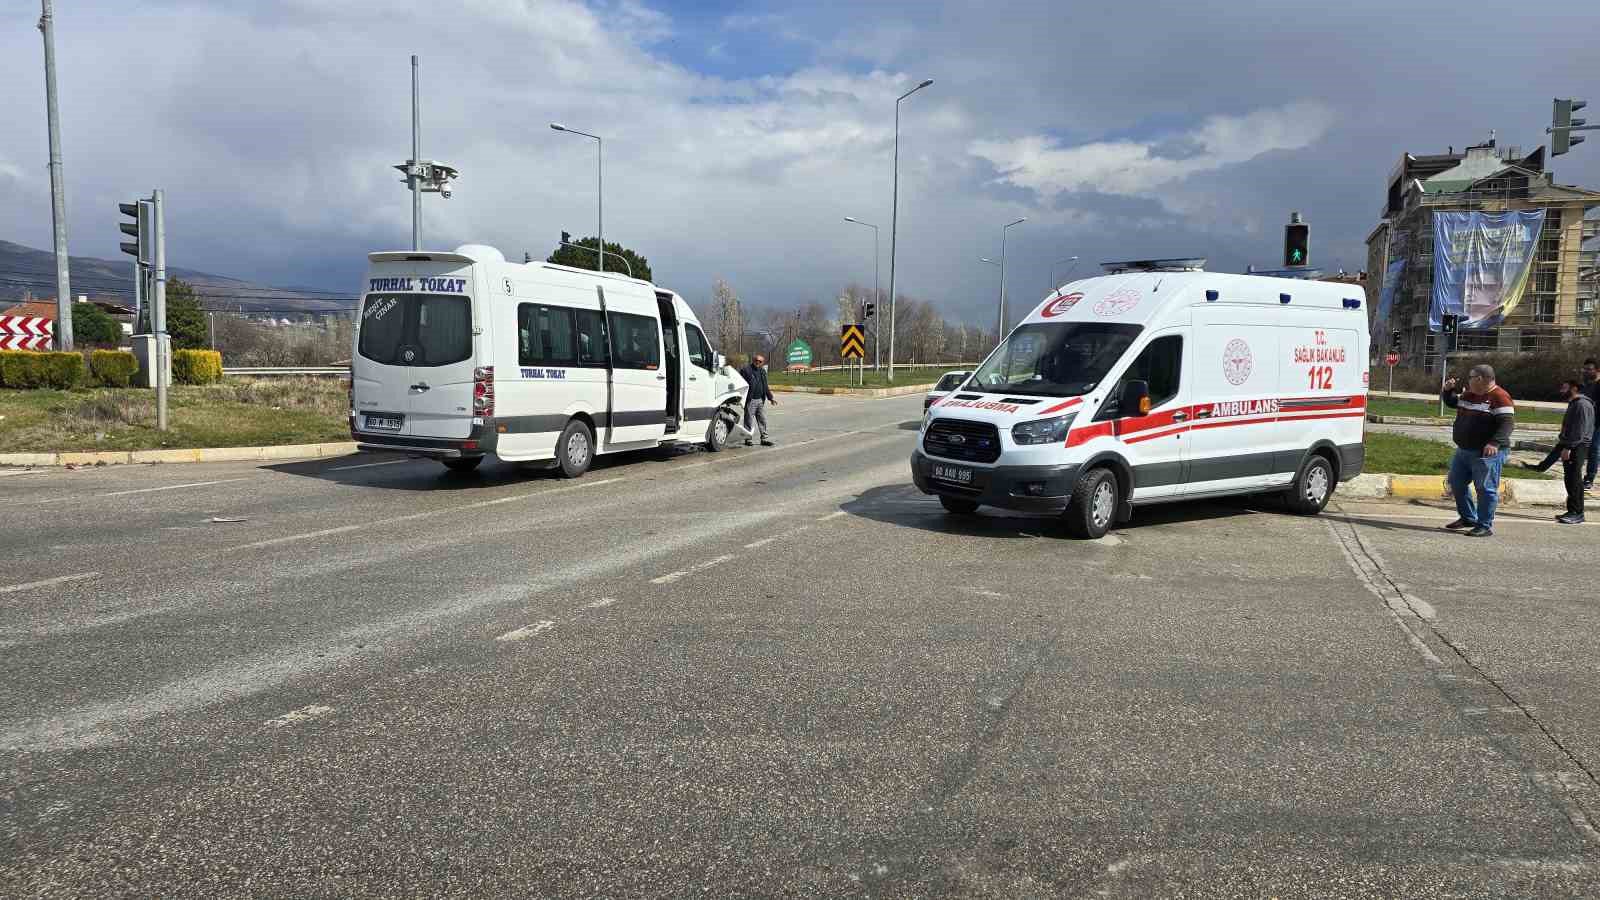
483	391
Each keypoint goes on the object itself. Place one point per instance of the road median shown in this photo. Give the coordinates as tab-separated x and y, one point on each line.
183	455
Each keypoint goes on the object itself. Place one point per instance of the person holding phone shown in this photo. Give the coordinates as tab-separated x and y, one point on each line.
1485	417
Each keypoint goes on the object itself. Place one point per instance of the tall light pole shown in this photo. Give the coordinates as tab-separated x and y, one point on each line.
422	175
1053	282
600	186
1001	328
894	217
58	184
877	341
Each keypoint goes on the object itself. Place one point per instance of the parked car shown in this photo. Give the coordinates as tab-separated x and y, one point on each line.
948	382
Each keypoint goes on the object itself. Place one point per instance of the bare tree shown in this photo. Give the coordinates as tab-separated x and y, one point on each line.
725	316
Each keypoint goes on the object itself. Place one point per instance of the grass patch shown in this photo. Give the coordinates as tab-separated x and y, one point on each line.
1397	454
1429	409
233	413
903	375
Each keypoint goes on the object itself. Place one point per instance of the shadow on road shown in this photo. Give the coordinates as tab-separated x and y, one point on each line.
390	471
907	507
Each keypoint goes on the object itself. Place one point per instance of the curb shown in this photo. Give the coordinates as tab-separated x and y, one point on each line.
199	454
1445	423
854	392
1513	491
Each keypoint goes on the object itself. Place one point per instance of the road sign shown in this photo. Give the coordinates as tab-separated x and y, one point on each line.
852	342
1392	359
25	332
798	353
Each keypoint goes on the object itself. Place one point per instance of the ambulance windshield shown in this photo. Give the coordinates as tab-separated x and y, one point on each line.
1054	359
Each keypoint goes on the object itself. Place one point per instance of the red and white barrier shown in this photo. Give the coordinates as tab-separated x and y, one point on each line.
25	332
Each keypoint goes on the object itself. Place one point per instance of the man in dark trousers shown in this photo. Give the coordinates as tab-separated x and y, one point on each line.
756	400
1591	389
1482	432
1577	433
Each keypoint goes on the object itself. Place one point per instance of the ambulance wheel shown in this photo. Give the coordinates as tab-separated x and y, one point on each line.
463	464
575	449
717	431
1312	487
1094	505
958	506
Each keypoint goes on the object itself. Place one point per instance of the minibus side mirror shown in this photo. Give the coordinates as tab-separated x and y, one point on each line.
1134	399
721	362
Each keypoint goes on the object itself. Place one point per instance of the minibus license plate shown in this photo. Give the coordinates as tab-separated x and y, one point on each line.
956	474
384	423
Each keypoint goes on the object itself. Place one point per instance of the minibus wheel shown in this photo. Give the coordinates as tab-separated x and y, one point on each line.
1312	487
575	449
958	506
462	464
1094	505
717	431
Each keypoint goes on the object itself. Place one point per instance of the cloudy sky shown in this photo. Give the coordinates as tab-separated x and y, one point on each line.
739	134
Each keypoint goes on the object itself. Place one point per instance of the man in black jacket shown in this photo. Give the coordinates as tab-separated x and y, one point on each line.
1591	389
1577	431
756	400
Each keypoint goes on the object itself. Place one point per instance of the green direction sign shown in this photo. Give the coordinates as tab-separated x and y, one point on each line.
798	353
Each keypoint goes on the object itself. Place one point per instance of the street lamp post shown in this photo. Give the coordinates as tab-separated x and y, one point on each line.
877	342
1053	282
894	217
1001	328
600	186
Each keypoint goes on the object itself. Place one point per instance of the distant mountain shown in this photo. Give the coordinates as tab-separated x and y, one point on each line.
24	270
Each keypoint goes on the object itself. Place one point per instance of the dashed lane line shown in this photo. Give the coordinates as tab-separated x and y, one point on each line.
525	632
28	586
670	577
171	487
303	714
391	462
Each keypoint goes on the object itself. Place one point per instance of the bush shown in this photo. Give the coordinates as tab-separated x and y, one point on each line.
93	325
113	368
30	369
1526	376
196	366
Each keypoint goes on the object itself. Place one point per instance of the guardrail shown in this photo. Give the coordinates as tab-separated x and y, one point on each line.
272	371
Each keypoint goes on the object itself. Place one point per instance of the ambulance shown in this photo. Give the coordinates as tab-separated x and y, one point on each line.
459	356
1153	383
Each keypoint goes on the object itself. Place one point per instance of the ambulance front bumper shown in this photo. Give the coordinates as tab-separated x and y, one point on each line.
1041	489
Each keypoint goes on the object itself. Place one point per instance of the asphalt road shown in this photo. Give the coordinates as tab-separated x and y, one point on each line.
776	672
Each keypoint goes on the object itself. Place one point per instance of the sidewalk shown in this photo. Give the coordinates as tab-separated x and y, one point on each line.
1403	395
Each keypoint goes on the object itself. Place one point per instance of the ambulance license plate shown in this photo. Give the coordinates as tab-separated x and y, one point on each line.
384	423
953	474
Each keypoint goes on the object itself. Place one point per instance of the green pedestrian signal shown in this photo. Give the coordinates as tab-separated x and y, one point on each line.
1296	244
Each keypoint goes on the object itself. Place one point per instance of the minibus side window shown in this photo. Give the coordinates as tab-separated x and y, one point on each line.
699	351
635	341
592	351
545	336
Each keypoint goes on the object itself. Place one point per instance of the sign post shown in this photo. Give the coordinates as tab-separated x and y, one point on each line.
1393	360
853	345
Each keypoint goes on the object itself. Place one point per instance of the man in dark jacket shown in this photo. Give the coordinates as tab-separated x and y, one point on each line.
756	399
1577	431
1591	389
1482	432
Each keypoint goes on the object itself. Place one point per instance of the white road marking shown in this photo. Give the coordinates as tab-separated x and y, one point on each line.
761	543
303	714
833	515
22	472
47	582
312	535
1499	520
670	577
1485	710
526	631
171	487
392	462
602	603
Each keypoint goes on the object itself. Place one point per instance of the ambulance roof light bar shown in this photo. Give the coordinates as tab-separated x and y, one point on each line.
1175	264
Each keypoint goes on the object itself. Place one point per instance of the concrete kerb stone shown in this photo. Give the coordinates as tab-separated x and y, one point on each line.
854	392
183	455
1445	423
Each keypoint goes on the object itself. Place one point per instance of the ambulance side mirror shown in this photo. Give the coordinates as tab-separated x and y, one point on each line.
1134	399
720	362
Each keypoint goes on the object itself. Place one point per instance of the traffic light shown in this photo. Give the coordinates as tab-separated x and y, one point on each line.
1296	244
871	309
1562	123
1394	341
1447	323
142	229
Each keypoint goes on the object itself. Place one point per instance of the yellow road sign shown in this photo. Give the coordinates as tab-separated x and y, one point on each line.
852	342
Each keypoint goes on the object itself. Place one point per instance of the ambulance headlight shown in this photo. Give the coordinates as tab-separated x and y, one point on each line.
1043	431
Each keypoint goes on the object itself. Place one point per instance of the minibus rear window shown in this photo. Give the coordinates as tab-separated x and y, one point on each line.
416	329
1054	359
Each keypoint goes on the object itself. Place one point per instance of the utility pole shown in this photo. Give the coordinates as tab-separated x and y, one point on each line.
894	218
158	319
416	157
58	185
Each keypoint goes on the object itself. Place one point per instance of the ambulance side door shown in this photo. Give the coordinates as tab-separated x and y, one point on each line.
1155	443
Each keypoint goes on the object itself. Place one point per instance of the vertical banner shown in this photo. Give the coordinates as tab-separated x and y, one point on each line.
1481	263
1391	284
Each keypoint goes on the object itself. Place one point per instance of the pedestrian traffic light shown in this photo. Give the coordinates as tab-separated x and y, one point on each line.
1394	340
871	309
1562	123
1447	323
141	229
1296	244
